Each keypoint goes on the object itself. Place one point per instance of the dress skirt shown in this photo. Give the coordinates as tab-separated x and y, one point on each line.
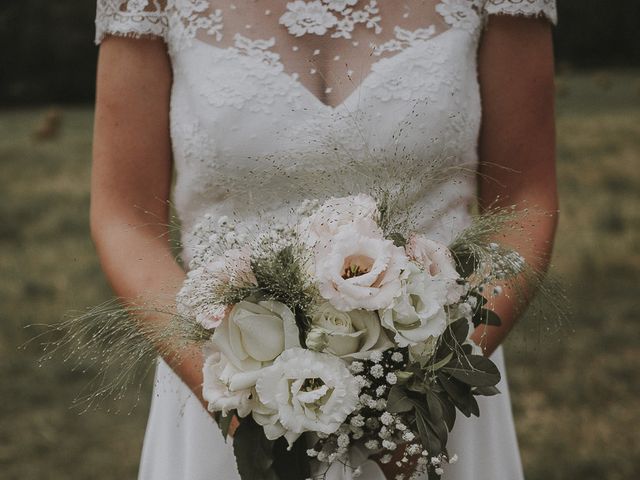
182	442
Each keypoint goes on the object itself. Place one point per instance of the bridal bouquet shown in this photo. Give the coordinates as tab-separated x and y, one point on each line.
332	333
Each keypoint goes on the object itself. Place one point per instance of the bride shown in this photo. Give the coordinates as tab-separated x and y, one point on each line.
218	104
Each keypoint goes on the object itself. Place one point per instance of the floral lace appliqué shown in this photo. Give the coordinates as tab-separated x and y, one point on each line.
139	18
247	64
187	18
403	39
460	14
526	8
318	17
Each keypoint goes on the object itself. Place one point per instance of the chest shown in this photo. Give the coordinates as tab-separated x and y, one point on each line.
287	91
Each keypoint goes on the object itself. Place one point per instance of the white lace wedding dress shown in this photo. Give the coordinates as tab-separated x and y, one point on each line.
269	97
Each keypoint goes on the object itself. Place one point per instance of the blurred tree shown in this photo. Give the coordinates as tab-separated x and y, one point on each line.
47	52
597	33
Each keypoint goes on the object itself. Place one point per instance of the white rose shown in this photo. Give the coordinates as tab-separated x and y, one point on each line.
436	259
218	375
418	313
304	391
325	222
356	271
354	334
254	335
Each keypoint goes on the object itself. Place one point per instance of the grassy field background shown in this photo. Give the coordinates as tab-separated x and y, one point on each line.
575	389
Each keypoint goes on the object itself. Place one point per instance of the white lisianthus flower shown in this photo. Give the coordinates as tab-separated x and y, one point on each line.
436	259
218	374
418	313
346	334
335	213
254	335
358	271
304	391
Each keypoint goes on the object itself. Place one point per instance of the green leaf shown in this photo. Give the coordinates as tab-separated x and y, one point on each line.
474	370
475	409
460	330
253	451
459	393
448	409
484	316
291	464
466	262
224	422
398	400
398	239
438	365
436	418
481	300
450	338
427	436
486	391
436	442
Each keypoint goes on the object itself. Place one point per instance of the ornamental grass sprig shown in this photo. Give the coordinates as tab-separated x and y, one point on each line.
118	343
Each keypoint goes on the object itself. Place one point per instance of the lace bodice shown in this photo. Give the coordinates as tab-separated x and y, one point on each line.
277	100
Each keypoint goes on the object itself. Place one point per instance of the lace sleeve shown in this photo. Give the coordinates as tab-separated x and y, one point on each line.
527	8
130	18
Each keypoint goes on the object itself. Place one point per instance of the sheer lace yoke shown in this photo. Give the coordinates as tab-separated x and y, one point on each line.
327	46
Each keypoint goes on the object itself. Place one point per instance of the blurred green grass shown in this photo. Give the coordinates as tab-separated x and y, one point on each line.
574	389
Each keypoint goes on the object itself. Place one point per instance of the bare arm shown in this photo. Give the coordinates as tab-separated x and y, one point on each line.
517	146
131	181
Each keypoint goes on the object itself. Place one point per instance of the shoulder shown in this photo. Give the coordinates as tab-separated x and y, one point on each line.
130	18
522	8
